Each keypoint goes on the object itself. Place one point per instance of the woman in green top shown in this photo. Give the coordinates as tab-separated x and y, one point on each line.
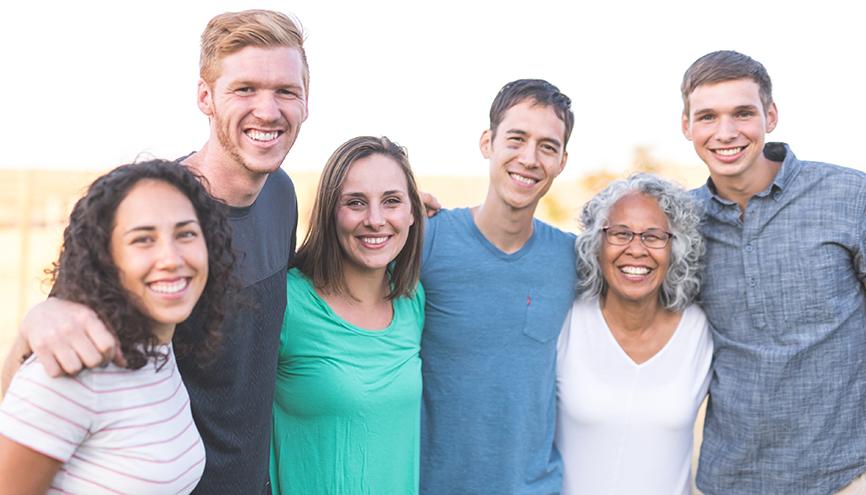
348	395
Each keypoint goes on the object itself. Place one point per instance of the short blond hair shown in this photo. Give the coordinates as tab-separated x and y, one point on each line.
231	32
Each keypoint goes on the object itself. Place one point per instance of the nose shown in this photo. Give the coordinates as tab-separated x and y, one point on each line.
528	156
375	216
635	247
727	129
169	257
267	107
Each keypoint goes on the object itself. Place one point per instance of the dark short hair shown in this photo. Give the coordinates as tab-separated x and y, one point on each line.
537	90
726	65
85	272
320	257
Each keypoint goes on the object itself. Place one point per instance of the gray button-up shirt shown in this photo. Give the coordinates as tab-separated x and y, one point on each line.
783	291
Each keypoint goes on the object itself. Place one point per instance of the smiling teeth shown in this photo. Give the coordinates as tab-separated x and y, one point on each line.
522	179
169	287
262	136
729	151
373	240
635	270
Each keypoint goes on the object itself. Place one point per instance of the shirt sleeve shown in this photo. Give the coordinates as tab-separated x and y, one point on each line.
860	254
49	415
430	225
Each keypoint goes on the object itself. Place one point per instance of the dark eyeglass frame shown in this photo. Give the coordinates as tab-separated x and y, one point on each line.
641	235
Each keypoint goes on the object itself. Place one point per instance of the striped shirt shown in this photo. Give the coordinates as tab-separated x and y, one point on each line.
115	430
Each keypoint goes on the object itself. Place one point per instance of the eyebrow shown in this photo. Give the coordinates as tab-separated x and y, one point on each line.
520	132
737	108
150	228
362	195
247	82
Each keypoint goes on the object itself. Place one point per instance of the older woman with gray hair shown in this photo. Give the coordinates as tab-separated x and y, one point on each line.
635	351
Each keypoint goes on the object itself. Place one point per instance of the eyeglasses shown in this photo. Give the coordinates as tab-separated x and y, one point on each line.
651	238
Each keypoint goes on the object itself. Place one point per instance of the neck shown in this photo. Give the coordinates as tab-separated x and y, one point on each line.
366	288
227	179
164	332
365	303
741	189
632	316
505	227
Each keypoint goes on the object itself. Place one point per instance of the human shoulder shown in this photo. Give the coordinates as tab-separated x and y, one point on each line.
584	307
701	194
839	188
278	190
297	284
695	325
695	315
51	415
449	216
33	373
446	230
583	313
837	173
553	233
551	240
419	298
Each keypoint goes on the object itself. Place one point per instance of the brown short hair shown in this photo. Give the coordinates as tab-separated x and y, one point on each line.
231	32
537	90
726	65
320	257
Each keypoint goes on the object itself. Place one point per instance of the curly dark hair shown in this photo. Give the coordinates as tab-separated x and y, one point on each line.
86	274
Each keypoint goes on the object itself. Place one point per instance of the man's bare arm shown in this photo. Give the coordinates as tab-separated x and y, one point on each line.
67	337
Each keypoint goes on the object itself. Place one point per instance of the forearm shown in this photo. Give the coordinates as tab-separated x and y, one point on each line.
16	355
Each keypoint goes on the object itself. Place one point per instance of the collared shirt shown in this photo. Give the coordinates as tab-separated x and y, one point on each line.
783	291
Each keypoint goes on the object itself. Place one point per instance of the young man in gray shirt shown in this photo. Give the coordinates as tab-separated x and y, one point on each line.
784	294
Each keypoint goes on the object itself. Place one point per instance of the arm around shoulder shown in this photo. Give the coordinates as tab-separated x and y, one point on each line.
67	337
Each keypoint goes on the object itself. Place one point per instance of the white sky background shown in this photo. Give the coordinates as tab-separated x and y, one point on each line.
90	85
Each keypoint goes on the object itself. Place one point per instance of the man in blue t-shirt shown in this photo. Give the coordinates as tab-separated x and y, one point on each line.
499	284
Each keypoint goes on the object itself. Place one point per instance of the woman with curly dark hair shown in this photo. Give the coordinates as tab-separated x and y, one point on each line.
144	247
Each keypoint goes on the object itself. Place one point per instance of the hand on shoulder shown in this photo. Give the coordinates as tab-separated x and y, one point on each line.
68	337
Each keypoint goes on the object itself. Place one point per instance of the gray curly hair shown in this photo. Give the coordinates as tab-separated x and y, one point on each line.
683	279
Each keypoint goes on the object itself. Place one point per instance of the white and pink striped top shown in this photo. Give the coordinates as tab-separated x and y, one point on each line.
115	430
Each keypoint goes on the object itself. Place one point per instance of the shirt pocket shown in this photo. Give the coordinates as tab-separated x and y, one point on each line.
545	312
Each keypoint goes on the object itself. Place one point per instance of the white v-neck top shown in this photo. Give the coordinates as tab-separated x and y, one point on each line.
622	427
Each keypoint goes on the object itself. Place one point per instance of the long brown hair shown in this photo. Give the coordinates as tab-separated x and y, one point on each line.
320	257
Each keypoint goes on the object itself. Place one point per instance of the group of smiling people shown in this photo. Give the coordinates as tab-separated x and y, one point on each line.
476	351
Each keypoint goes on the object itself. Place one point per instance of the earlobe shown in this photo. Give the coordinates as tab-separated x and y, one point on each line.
484	144
204	98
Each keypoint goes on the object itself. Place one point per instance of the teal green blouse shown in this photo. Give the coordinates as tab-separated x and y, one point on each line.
348	401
